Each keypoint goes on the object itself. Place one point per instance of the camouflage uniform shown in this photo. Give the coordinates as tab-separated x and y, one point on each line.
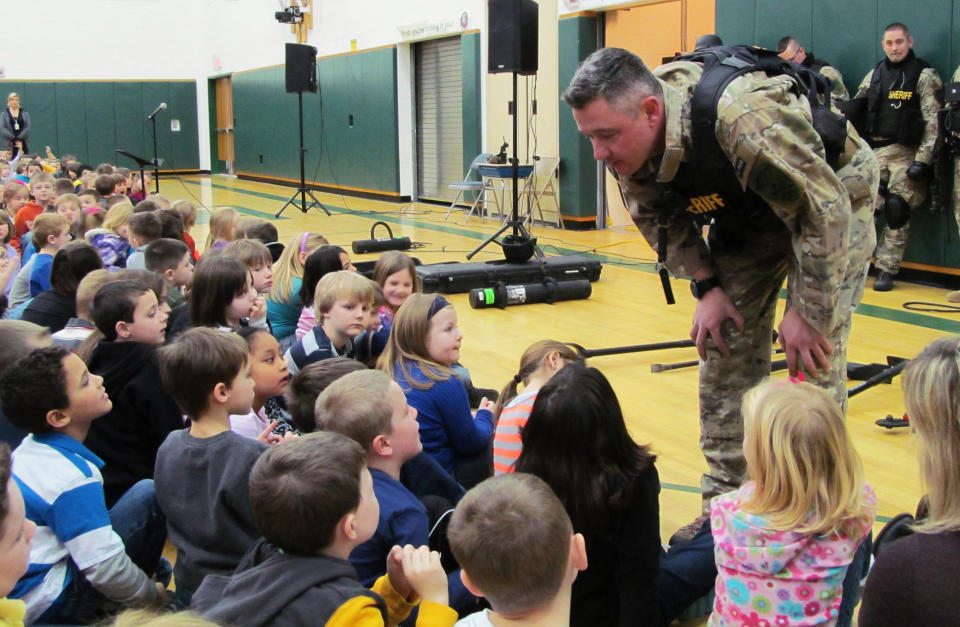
894	161
838	92
819	235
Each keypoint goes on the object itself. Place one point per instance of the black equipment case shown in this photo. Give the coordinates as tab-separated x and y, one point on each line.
459	278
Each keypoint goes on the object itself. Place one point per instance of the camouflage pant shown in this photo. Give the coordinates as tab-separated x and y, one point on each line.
956	190
894	161
752	274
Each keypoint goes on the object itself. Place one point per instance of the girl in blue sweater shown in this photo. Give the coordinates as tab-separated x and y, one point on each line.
424	343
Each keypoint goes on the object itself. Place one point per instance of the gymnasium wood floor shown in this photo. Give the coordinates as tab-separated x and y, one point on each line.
626	308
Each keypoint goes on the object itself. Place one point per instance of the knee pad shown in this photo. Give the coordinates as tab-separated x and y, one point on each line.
896	210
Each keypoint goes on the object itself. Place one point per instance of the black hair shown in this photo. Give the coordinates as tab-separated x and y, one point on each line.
578	419
164	254
115	302
171	225
71	263
321	262
32	387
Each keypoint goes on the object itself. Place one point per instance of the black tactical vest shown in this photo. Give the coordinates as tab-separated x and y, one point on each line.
707	185
893	104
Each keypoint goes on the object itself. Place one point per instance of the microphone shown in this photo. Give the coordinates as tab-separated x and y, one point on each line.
160	108
375	245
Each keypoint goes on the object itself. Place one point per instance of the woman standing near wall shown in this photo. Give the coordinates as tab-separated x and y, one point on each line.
15	126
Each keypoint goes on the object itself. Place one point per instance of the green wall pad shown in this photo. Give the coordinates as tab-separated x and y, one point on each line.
578	169
91	119
350	125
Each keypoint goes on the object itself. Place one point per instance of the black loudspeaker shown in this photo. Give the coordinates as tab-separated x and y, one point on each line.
513	36
301	68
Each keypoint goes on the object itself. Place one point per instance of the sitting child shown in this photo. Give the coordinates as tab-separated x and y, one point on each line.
223	295
313	501
111	238
188	213
342	301
202	472
256	257
309	383
41	188
526	574
267	419
16	534
221	225
370	408
145	227
786	538
81	550
172	260
127	313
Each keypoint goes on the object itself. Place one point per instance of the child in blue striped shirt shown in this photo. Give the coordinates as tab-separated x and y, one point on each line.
82	553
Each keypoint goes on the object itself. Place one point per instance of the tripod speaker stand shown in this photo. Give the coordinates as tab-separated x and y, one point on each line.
301	68
513	48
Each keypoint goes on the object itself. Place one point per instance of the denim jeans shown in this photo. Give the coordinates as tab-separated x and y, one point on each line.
137	519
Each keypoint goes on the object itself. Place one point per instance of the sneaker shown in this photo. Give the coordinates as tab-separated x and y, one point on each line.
884	282
686	533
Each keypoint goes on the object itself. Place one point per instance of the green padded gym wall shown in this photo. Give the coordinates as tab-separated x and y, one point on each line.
848	34
350	125
91	119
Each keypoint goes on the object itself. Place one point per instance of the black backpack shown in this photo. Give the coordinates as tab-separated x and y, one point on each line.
722	64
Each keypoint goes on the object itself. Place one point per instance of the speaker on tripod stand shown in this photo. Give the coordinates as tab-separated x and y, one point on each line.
301	75
512	47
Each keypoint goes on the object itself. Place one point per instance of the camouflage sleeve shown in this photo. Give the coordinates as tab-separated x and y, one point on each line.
956	75
687	252
864	85
839	91
768	134
931	96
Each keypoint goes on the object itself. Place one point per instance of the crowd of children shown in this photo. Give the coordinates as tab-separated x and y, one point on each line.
309	442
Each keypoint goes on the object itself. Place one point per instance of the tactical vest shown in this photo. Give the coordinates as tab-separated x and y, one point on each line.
707	184
893	104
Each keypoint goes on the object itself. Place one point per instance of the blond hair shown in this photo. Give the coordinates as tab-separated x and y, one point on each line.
221	225
251	252
341	285
931	391
808	477
144	618
88	288
358	406
45	225
408	343
117	216
289	265
187	212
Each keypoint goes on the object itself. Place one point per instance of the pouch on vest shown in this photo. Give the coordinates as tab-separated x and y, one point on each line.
856	111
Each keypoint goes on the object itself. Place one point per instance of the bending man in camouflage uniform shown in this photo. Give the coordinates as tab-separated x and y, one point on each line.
816	227
903	97
790	49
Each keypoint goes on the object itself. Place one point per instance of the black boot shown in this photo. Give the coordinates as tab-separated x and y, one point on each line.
884	282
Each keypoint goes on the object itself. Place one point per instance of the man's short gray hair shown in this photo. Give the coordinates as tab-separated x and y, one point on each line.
614	73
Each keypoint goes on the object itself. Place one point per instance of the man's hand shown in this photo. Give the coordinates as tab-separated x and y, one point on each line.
800	340
712	311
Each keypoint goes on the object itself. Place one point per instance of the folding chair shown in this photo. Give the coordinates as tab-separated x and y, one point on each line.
471	182
540	184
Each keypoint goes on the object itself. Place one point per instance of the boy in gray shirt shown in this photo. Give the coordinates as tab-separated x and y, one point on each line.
202	473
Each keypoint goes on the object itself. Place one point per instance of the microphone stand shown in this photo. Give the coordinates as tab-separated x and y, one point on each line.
156	165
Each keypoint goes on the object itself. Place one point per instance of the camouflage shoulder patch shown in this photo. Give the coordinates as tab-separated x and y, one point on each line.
773	184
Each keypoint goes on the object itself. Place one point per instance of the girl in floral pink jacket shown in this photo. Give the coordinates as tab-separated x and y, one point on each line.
784	540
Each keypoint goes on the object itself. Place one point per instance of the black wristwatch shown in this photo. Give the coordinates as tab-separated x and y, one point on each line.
700	287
